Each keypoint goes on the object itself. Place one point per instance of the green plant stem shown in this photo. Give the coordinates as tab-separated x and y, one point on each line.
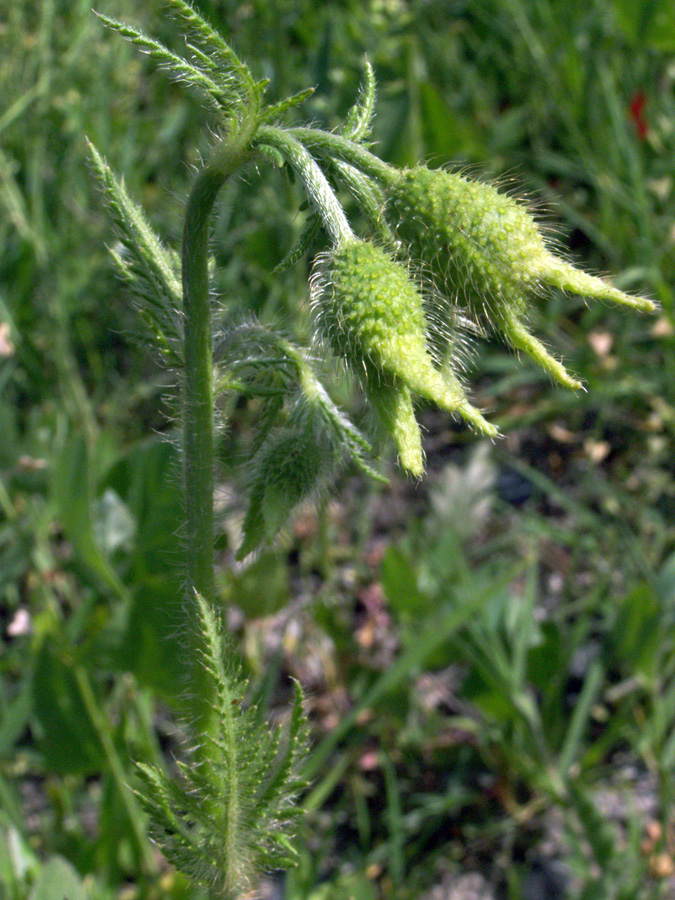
198	407
316	184
335	146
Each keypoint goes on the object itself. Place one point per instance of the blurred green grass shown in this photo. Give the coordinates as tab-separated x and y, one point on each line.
474	689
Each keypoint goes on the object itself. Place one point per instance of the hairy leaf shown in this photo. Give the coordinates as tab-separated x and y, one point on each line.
151	269
230	816
219	94
358	121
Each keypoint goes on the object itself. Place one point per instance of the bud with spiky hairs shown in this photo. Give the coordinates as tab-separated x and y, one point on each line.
371	313
290	467
484	251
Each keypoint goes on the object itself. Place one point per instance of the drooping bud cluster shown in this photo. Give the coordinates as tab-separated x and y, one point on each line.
484	251
371	312
302	437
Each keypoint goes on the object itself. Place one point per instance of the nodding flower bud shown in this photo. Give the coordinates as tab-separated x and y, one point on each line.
371	313
484	251
290	467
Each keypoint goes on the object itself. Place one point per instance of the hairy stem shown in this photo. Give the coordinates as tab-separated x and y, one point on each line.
334	145
198	407
319	190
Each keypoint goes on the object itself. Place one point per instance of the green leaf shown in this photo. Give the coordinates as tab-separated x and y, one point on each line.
15	717
399	581
147	479
151	270
10	435
69	739
58	881
72	493
580	718
230	816
260	588
599	832
635	636
151	644
181	69
223	61
359	117
276	110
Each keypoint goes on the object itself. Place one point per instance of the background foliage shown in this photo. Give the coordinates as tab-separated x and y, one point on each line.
489	654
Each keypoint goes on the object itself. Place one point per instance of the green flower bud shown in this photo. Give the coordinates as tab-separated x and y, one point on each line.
371	313
484	250
292	466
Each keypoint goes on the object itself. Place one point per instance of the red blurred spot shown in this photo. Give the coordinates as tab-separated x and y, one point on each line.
637	113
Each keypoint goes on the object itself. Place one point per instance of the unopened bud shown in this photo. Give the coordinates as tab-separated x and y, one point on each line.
371	312
484	251
291	467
